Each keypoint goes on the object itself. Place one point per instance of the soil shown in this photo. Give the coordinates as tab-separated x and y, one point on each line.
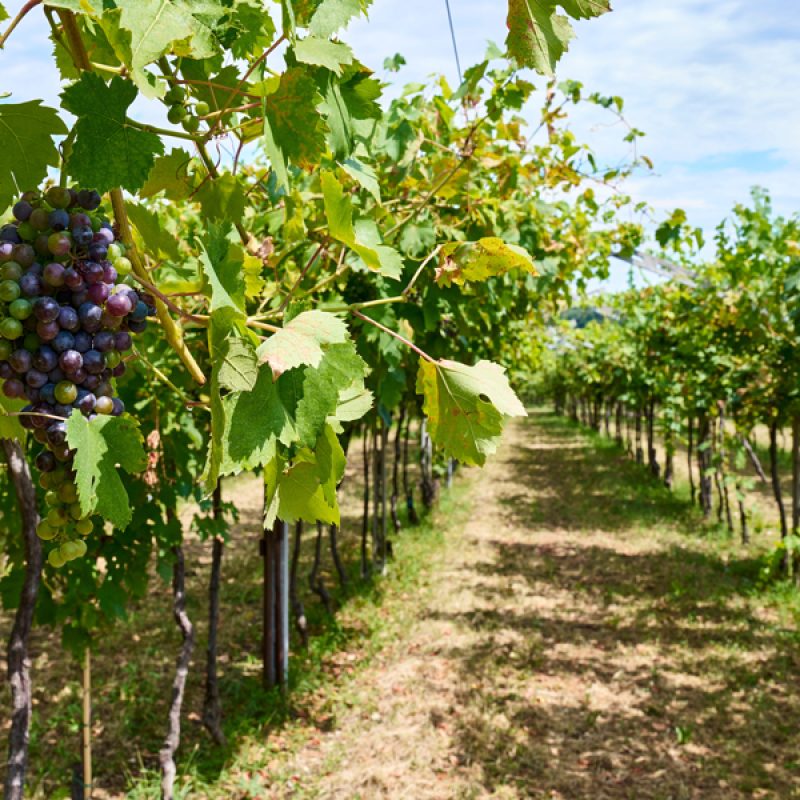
575	643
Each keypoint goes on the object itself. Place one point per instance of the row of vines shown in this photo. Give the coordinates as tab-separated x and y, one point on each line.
285	268
702	368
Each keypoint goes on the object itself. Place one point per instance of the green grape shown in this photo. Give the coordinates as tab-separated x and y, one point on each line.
55	558
10	328
123	266
201	108
104	405
46	480
68	492
58	196
57	517
84	526
45	531
75	511
26	231
175	94
176	114
6	349
66	392
115	250
10	271
112	359
9	291
20	308
52	498
72	549
191	124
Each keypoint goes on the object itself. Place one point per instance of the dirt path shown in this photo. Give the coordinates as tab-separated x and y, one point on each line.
577	643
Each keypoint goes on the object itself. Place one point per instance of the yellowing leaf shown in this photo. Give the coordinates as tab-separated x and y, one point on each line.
489	257
466	407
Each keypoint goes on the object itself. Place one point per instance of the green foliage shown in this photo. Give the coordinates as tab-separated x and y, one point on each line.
103	446
108	150
27	131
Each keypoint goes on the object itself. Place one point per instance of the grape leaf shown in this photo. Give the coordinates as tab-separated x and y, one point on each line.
364	175
322	386
169	175
239	368
10	427
154	238
489	257
300	341
354	401
293	128
4	13
339	213
466	407
321	52
222	198
585	9
108	151
255	422
26	131
332	15
221	262
537	35
101	447
155	27
307	489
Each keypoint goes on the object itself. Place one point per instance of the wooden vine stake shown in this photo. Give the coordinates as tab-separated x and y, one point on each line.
275	643
86	726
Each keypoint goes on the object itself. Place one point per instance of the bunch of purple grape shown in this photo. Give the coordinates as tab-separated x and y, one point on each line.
66	319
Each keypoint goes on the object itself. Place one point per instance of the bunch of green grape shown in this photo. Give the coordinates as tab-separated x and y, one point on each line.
180	112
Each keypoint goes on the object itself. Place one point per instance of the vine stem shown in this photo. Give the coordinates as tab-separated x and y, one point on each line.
419	270
356	313
163	377
14	22
172	330
381	301
306	268
144	126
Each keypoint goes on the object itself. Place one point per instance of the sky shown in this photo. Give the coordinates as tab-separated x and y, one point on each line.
714	85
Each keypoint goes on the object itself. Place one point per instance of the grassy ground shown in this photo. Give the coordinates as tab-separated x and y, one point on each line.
562	628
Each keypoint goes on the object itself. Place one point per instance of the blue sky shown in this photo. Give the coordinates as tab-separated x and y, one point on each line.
715	85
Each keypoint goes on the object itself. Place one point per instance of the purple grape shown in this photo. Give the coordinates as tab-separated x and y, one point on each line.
30	285
46	309
92	272
22	210
53	274
36	268
47	394
47	331
82	235
123	341
105	235
64	341
6	371
40	244
80	220
139	312
6	252
104	341
110	274
105	389
86	403
73	198
21	361
80	296
119	407
98	251
73	279
111	322
35	378
38	420
32	394
88	199
92	383
83	341
90	315
9	233
118	305
98	293
78	376
93	362
45	359
57	433
56	375
13	387
58	219
24	255
25	420
70	361
45	461
61	410
137	326
68	319
119	370
40	436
